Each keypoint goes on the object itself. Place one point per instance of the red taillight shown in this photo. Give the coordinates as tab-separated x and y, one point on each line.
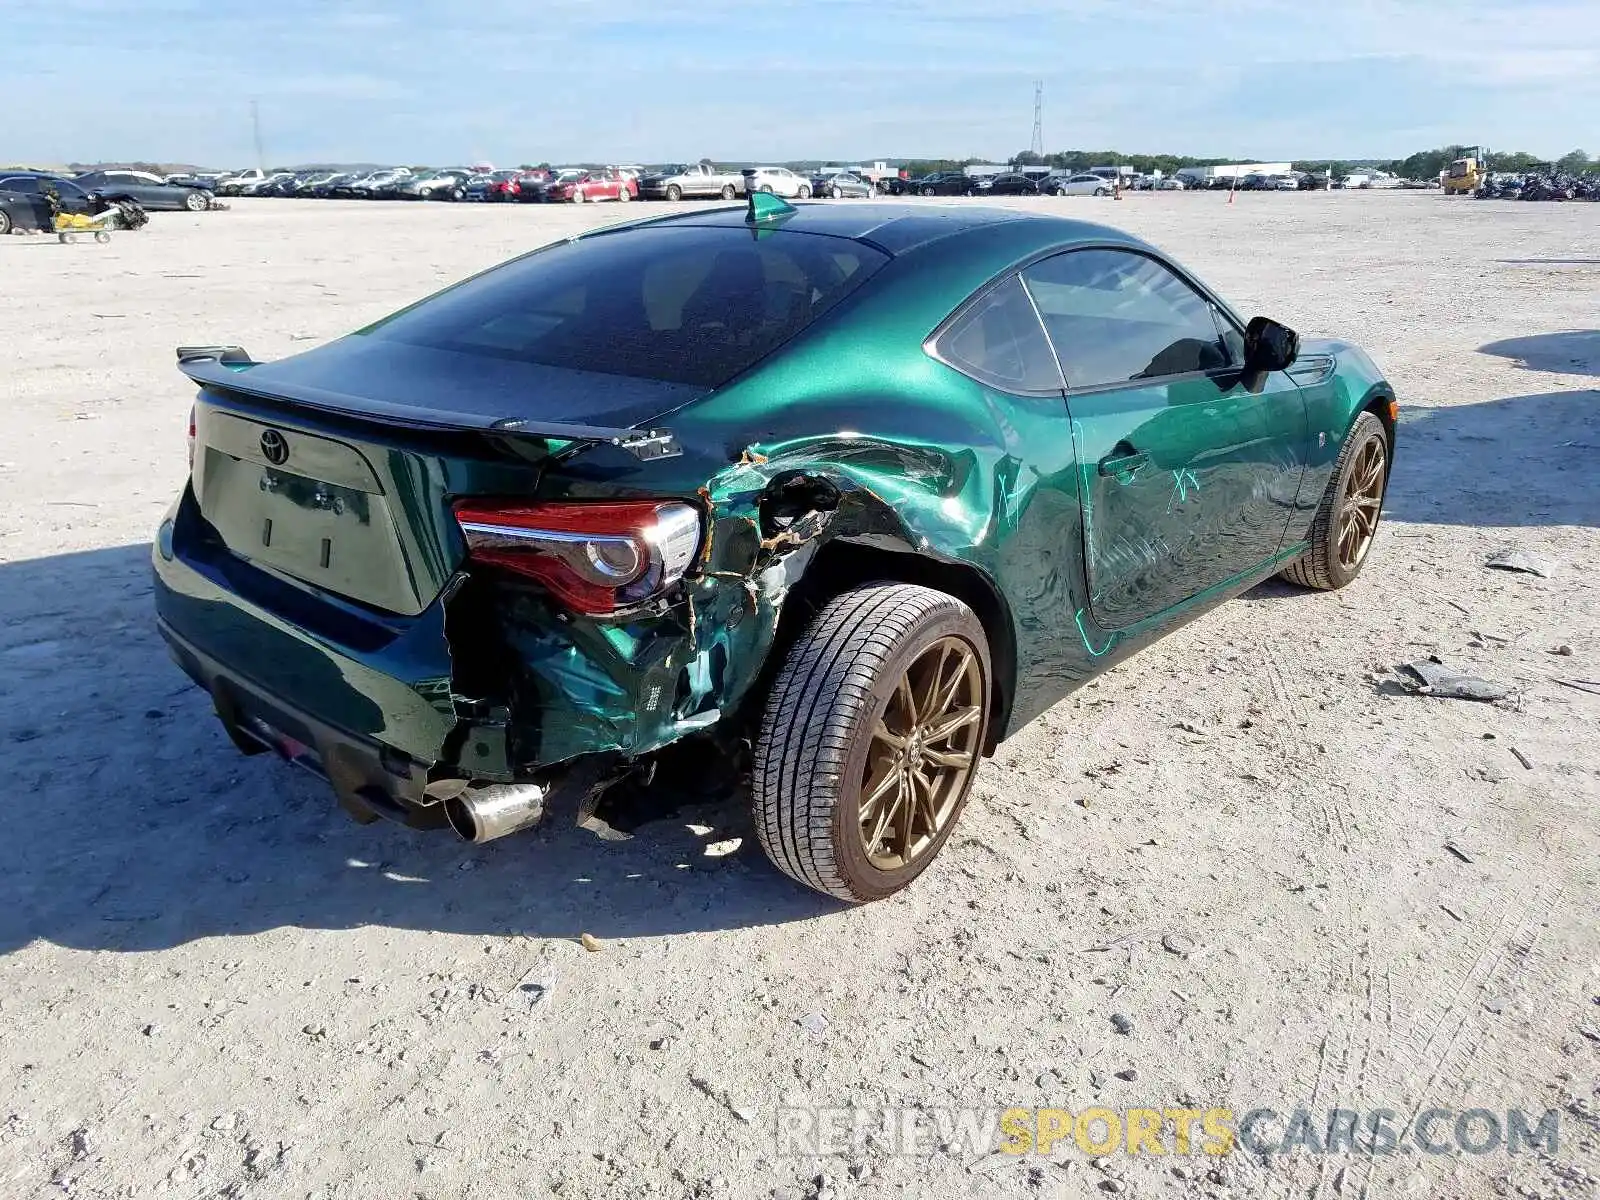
596	556
191	437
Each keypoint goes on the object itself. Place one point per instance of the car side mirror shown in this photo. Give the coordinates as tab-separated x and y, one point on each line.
1268	347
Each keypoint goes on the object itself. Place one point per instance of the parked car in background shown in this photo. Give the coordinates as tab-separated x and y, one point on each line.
1078	185
942	183
258	187
1014	185
538	191
345	189
382	185
447	184
841	185
490	555
295	185
306	183
330	185
776	181
700	180
234	185
605	184
24	205
150	191
491	186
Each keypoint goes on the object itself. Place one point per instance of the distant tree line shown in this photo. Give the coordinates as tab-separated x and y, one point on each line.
1427	164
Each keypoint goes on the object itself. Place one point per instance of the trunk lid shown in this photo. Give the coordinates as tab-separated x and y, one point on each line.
336	468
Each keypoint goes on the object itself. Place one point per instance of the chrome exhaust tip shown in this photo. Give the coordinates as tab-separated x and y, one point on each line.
484	814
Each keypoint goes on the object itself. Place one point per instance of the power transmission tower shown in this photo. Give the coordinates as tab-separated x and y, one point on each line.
1037	145
255	127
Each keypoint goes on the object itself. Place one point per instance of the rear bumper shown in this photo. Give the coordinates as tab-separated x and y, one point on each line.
370	700
369	778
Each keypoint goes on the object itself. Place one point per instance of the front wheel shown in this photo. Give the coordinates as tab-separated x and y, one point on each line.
804	193
577	196
870	739
1101	192
674	192
624	195
5	222
927	191
196	202
837	193
729	191
1341	534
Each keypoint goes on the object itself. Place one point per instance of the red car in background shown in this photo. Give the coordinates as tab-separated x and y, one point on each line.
496	185
594	185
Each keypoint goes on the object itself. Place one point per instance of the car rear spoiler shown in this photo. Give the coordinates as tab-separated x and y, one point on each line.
225	368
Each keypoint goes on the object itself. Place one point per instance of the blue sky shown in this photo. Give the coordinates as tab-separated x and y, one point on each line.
425	81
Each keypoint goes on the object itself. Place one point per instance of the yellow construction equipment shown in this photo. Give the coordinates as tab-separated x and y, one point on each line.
1463	177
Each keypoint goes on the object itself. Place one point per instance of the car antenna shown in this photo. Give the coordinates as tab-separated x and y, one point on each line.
764	206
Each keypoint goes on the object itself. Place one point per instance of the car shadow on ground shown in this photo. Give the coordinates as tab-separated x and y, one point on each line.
135	824
1573	352
1521	461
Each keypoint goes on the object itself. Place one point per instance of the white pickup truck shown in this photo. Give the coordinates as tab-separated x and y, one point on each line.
680	182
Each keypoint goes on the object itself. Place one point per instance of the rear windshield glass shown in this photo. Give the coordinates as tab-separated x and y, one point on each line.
680	304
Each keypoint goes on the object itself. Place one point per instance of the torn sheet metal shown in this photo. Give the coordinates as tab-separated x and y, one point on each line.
1430	677
1527	562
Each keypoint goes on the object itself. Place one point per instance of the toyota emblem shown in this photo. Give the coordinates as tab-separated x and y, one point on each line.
275	447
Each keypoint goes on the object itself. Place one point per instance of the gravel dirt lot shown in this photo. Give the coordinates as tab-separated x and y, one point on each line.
213	983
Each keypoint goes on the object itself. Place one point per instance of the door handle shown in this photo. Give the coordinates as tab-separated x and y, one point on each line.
1124	463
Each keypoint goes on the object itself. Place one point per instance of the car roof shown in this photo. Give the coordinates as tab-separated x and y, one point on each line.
900	229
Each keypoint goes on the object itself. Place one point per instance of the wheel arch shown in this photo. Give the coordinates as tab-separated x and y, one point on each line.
1380	402
844	563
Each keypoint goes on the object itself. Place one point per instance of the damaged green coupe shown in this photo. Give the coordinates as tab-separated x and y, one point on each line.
851	494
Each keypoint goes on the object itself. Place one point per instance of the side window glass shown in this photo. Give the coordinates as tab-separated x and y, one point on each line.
998	341
1114	316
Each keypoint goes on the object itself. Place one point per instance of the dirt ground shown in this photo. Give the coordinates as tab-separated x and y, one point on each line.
213	983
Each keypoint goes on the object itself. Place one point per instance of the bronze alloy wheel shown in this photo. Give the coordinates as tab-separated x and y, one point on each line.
871	739
924	746
1340	537
1363	500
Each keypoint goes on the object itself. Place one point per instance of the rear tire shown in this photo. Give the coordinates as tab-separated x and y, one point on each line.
1350	509
5	223
843	714
729	191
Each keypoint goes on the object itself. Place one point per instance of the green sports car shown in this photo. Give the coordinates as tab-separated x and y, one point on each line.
848	494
